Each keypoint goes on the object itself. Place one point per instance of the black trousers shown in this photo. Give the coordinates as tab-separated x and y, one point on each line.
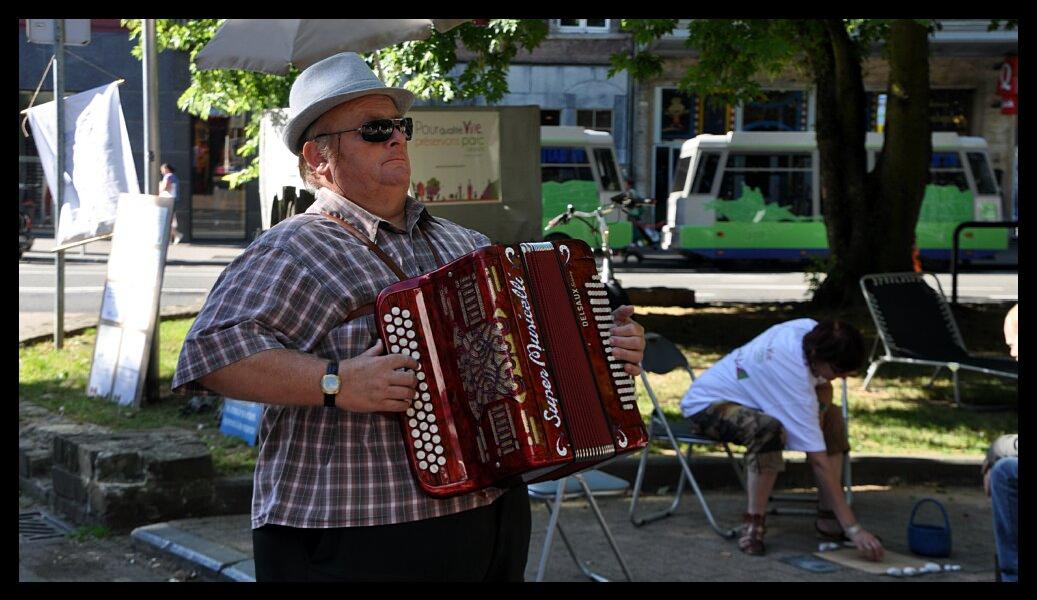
490	543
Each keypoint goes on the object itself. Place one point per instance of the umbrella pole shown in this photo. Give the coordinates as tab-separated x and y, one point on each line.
378	66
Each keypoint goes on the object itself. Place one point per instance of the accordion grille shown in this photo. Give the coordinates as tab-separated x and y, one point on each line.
588	425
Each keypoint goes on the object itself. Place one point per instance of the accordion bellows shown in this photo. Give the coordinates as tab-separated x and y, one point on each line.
516	379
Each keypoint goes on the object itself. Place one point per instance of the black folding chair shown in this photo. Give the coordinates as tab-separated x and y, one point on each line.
916	326
662	356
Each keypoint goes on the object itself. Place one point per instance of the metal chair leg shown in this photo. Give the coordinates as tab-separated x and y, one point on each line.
551	525
872	369
604	527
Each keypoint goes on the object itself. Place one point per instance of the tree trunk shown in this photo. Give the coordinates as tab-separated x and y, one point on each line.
840	127
901	169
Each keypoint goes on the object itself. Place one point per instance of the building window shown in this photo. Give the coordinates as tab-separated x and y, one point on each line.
550	117
949	110
33	194
683	116
217	212
778	111
581	25
595	119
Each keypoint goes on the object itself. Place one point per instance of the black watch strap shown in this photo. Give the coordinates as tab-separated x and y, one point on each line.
329	399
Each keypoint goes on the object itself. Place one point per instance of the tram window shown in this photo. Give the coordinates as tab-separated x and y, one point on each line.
948	177
679	178
563	174
985	183
705	173
607	169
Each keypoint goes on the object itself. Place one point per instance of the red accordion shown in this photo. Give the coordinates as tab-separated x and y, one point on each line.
516	378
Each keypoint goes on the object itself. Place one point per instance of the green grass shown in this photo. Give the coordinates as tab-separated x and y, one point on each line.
56	380
897	415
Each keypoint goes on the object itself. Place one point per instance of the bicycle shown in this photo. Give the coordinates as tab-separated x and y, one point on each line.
625	202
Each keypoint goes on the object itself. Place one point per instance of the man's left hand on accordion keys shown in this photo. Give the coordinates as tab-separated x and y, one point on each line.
628	339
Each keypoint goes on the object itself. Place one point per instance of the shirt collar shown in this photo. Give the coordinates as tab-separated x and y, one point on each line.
327	200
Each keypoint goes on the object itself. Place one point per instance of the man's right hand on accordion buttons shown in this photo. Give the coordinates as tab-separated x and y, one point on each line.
374	382
628	339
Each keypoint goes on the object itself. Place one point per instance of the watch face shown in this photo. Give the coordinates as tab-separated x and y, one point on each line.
329	384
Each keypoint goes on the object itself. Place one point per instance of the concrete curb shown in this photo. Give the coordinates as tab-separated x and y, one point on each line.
217	560
175	313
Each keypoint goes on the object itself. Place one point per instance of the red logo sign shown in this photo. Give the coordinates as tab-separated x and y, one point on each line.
1008	85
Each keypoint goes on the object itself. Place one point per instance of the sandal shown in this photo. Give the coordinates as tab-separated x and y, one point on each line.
753	528
827	515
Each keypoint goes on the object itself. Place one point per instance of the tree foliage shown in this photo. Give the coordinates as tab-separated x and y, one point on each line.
424	67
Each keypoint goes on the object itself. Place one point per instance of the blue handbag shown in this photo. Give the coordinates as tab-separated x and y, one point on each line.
929	540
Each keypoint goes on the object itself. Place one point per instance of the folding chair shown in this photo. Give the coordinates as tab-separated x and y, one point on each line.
587	484
916	326
662	356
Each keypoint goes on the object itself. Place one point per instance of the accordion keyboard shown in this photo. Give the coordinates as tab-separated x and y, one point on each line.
421	417
603	319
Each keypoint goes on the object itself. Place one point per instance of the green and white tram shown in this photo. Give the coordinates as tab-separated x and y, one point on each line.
756	195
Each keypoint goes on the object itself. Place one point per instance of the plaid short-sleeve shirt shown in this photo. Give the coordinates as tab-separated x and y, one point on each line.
293	288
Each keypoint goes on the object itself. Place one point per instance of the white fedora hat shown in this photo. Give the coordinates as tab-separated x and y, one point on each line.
328	83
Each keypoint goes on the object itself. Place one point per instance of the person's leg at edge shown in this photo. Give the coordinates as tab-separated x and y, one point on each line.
1004	496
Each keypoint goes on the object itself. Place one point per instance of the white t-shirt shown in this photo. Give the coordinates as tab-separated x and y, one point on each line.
769	374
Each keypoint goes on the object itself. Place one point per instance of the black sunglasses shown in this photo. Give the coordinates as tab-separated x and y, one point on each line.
379	130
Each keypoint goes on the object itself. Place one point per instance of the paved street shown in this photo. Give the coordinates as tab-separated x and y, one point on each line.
793	286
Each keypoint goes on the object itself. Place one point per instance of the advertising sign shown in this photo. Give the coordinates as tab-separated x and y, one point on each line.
455	157
129	303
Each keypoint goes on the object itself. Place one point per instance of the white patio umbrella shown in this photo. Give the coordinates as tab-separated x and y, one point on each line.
271	45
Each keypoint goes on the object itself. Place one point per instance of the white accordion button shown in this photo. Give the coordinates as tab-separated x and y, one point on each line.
423	465
389	328
439	449
426	396
434	429
425	436
395	310
423	426
421	415
387	318
408	323
431	418
397	321
416	355
410	413
405	314
422	386
415	433
429	447
441	460
410	333
433	468
421	376
417	443
413	423
413	345
395	349
421	455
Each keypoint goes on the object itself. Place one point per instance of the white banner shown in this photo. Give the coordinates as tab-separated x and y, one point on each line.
98	160
455	157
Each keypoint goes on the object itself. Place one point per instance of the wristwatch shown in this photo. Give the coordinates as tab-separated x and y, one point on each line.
330	383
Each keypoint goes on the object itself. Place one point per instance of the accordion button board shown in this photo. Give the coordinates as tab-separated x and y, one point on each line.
516	377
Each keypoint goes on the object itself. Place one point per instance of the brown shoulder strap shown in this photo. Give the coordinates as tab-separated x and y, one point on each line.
353	231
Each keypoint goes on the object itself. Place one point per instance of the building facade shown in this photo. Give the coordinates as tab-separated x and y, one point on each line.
199	150
965	73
